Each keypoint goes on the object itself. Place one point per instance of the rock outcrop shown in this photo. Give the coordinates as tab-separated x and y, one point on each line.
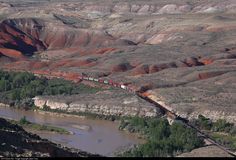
199	97
103	103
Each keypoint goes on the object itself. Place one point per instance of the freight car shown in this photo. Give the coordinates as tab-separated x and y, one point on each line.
116	84
95	79
123	86
100	80
90	79
110	82
105	82
85	78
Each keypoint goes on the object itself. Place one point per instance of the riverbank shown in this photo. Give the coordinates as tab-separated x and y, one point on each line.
29	91
109	103
34	127
163	139
93	135
16	142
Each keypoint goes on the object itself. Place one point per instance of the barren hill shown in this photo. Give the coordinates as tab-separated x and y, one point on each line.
183	52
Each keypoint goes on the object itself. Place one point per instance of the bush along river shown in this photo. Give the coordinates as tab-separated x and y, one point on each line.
95	136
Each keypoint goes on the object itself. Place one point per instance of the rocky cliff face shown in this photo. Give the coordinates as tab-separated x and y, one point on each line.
103	103
16	142
200	97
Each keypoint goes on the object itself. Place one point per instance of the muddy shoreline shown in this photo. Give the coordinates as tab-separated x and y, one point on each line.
95	136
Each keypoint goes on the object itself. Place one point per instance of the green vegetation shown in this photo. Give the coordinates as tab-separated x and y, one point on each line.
18	89
3	16
220	125
24	121
227	140
203	123
163	140
221	131
38	127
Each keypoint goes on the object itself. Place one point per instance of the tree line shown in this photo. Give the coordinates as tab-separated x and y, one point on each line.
19	88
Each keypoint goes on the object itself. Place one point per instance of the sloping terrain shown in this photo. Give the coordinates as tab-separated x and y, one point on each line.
16	142
208	151
182	51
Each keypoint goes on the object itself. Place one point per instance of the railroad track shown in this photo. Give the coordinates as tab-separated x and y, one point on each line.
169	113
187	124
211	140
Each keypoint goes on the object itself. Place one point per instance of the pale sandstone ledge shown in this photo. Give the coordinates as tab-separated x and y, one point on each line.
4	105
189	104
213	115
102	103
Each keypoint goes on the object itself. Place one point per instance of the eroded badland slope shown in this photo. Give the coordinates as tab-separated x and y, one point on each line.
182	52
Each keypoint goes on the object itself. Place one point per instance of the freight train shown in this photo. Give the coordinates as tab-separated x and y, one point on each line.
109	82
131	89
126	87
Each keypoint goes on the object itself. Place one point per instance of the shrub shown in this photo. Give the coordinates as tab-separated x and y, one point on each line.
203	123
222	126
162	139
24	121
46	108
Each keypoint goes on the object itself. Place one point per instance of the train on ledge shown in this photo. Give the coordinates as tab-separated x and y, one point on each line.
131	89
109	82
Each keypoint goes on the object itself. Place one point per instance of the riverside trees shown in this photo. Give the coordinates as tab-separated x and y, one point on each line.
18	88
162	139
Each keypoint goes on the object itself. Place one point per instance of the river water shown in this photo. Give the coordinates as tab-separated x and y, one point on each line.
95	136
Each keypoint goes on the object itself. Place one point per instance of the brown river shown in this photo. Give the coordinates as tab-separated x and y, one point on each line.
95	136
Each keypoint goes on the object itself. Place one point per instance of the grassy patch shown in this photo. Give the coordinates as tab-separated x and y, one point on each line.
82	88
221	131
38	127
3	16
225	139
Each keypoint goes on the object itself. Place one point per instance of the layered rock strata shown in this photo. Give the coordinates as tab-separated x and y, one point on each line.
103	103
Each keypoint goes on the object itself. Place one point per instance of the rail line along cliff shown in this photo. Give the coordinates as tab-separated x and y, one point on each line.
177	54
